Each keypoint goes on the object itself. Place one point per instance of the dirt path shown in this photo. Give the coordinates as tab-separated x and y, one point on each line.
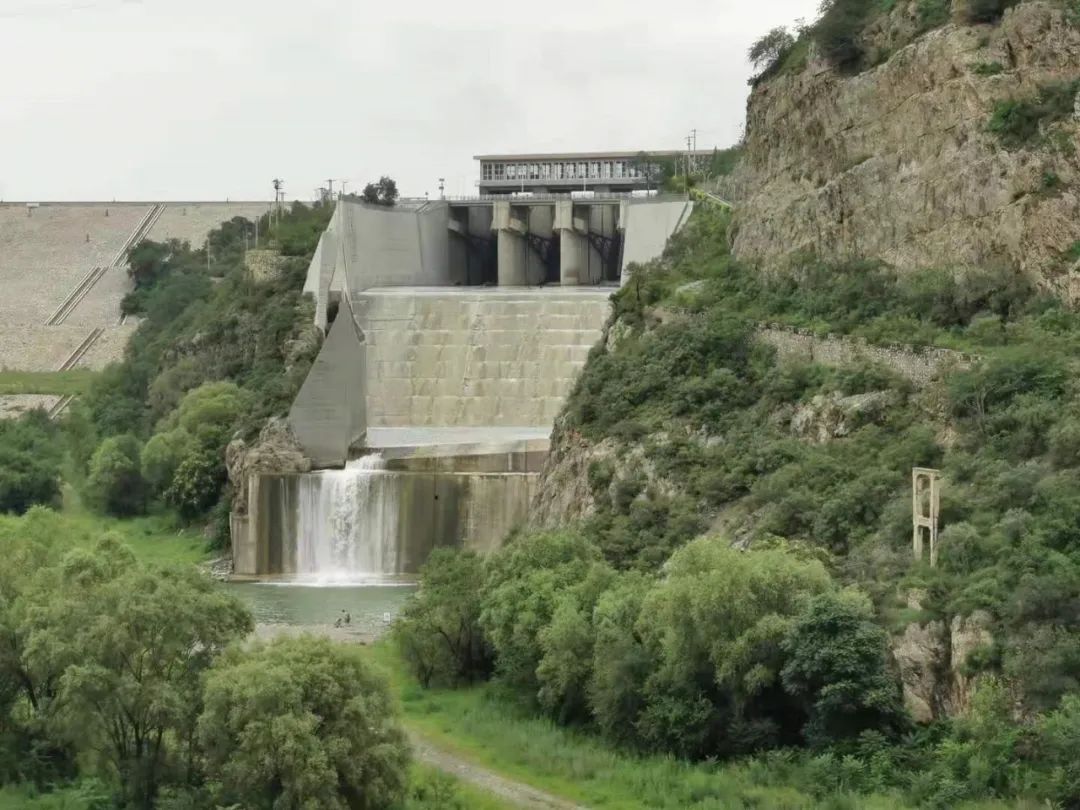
518	794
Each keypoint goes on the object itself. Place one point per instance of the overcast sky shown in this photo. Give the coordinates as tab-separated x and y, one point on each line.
207	99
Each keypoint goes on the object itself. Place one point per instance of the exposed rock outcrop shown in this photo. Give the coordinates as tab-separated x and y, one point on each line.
896	163
831	416
276	451
932	659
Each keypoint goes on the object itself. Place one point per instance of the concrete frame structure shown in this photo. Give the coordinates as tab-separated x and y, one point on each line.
602	172
925	507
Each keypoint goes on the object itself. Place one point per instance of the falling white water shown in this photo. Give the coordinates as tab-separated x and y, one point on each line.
347	523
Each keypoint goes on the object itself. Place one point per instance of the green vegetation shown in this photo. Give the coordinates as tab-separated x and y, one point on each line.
59	383
642	625
934	13
384	192
215	355
839	33
122	685
30	459
987	68
1019	122
300	723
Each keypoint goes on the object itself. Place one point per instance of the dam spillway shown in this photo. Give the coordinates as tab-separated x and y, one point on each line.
457	387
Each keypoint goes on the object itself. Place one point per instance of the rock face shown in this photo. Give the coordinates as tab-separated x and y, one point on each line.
564	495
276	451
896	163
931	658
831	416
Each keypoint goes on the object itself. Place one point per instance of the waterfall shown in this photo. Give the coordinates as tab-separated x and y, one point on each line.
347	522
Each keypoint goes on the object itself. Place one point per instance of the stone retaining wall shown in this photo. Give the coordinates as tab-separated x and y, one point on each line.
916	364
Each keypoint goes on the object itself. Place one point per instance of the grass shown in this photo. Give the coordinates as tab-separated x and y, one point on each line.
155	539
59	383
465	794
488	728
480	725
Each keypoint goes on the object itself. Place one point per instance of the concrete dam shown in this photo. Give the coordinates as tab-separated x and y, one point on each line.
454	333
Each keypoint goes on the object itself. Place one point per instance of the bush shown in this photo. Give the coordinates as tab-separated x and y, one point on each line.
115	485
438	630
523	585
837	662
837	31
302	723
1018	122
714	626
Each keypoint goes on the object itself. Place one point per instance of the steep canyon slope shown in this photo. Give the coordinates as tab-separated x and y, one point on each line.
899	162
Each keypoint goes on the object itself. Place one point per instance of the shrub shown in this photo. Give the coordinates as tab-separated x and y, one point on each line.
1017	122
933	13
837	662
987	68
837	31
115	484
768	52
302	723
438	630
523	585
715	625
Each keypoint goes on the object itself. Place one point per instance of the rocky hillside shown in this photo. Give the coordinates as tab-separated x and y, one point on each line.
958	149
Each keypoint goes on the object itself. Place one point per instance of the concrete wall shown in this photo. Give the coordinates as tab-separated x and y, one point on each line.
457	509
476	357
329	413
649	224
393	247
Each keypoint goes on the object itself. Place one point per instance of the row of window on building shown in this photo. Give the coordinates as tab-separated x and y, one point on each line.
563	170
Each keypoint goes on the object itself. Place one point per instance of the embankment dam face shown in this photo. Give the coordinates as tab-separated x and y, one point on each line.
454	333
63	274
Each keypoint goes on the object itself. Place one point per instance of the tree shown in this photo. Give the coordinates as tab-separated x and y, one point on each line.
197	482
522	588
438	630
138	641
161	456
115	484
302	723
26	480
715	626
384	192
765	54
837	663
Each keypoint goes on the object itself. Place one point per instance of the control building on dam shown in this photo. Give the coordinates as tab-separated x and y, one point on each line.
455	329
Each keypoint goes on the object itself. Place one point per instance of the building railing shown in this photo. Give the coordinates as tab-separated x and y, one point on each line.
530	196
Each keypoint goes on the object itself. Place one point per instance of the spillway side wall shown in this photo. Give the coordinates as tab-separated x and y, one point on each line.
649	224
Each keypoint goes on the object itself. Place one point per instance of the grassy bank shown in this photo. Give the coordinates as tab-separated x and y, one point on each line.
155	539
58	383
480	725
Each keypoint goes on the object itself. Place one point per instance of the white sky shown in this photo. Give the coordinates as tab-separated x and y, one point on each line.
207	99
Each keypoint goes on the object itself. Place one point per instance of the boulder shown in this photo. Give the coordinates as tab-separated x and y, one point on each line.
275	451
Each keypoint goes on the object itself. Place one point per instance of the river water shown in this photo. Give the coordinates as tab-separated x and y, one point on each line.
285	608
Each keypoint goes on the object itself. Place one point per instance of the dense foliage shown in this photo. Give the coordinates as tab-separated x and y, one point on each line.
216	353
628	625
30	460
128	677
302	723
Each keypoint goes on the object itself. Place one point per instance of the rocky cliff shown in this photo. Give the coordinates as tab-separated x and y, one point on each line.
897	162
